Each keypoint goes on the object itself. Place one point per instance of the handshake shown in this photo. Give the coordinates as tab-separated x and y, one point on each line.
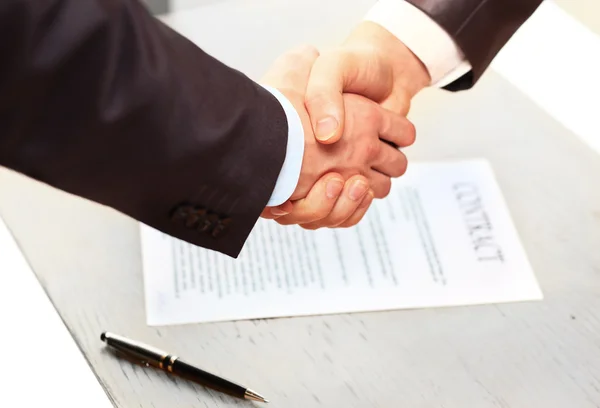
352	103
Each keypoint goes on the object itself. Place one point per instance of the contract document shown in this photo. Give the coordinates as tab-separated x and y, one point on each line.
442	237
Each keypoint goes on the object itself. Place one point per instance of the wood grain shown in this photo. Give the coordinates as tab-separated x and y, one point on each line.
522	355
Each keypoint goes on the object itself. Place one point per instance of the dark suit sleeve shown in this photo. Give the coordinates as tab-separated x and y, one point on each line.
101	100
479	27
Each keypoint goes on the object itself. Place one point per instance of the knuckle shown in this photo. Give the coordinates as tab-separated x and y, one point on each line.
372	150
318	98
401	109
338	59
314	98
290	61
410	133
383	189
341	55
309	51
352	221
352	224
371	115
283	60
400	165
348	62
402	104
337	219
303	53
317	213
293	58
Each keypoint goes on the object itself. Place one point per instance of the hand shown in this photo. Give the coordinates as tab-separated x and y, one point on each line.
330	203
323	206
369	148
372	63
361	154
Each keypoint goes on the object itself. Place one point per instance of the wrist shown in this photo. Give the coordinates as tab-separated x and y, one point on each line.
289	175
408	70
307	172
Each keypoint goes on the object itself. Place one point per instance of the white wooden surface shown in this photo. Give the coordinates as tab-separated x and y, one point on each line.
519	355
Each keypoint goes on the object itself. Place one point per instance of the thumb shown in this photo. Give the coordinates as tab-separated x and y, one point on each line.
272	213
324	99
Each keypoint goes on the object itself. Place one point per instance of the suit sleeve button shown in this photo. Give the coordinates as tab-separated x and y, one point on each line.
196	216
221	227
208	223
181	213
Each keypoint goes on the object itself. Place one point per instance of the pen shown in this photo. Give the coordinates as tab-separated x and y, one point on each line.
148	355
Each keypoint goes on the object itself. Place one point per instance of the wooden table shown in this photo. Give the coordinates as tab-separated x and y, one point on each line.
539	354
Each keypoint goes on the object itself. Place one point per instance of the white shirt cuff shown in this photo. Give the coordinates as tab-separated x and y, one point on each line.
290	171
424	37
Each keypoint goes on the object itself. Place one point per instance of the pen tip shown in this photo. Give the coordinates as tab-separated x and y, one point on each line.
103	336
255	396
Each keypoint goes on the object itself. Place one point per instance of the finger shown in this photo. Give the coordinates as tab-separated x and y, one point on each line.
380	183
359	71
396	128
318	203
390	161
292	69
355	190
324	101
272	213
397	102
360	211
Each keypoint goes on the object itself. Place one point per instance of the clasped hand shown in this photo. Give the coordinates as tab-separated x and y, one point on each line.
352	103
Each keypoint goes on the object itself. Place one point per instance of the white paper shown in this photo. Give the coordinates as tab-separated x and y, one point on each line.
44	366
443	237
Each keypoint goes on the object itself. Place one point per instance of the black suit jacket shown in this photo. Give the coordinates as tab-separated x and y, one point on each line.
480	28
101	100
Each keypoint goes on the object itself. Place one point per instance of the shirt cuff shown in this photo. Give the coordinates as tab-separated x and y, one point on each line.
424	37
290	171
